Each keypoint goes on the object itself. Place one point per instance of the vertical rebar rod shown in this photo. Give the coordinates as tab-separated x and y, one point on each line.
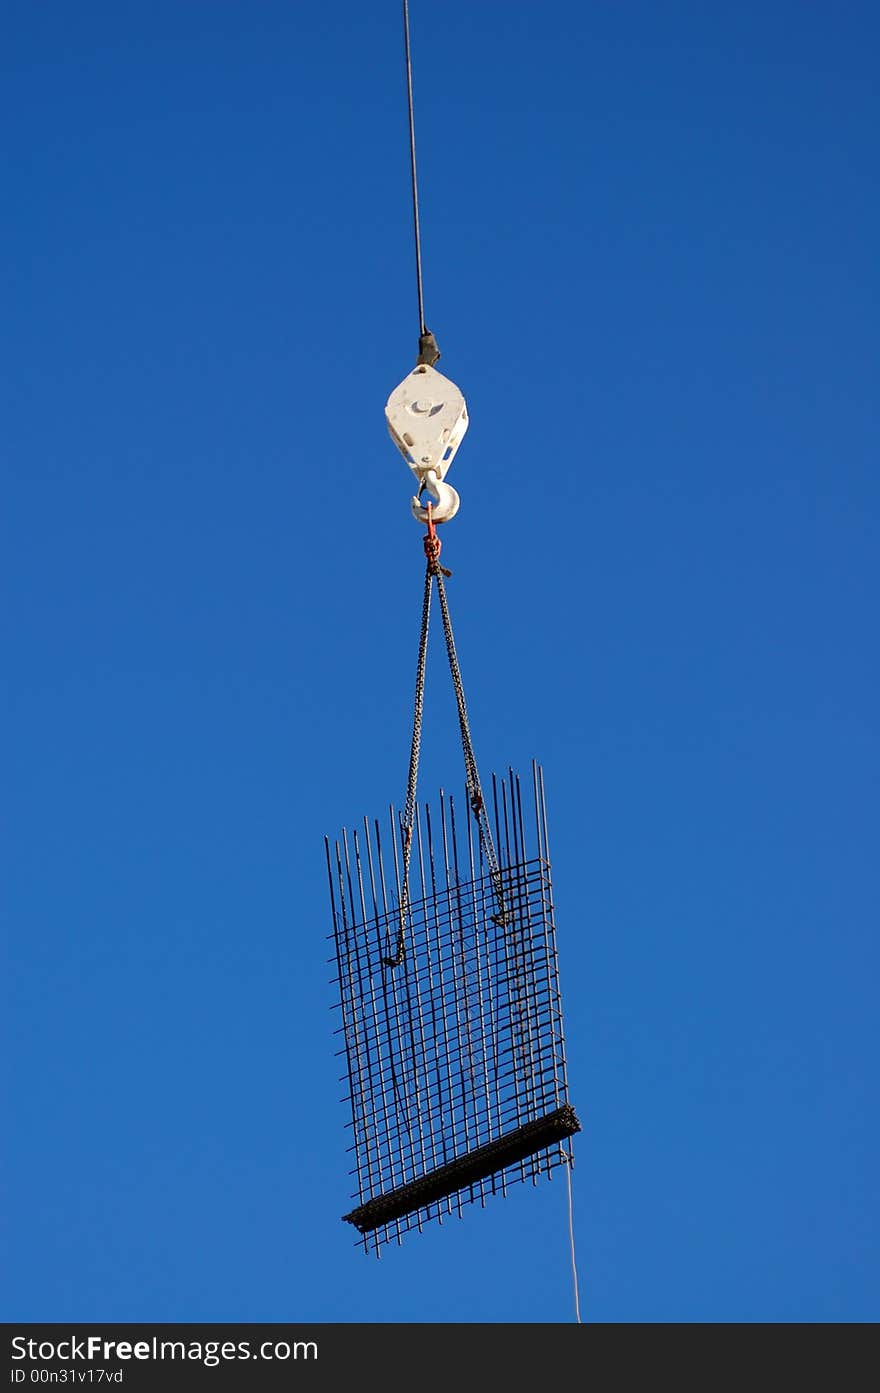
461	958
454	1103
419	973
391	1062
360	1042
410	1046
404	1103
484	1098
493	1096
520	948
510	978
442	1084
386	1114
547	926
346	1021
429	1029
530	973
369	1007
552	927
372	1064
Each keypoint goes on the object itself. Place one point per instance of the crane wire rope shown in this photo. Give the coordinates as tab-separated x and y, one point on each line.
412	164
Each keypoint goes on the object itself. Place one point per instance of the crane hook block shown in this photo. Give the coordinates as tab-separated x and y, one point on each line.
427	418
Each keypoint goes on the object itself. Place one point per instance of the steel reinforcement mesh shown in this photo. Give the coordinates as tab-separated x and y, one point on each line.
455	1058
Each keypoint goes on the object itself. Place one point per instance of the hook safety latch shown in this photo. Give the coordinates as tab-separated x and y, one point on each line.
427	419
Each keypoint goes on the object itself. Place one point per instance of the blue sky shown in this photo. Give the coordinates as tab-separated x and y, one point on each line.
650	241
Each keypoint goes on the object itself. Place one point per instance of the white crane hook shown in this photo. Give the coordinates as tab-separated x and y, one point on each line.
446	500
427	419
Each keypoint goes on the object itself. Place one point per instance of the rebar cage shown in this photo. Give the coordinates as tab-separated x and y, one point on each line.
455	1057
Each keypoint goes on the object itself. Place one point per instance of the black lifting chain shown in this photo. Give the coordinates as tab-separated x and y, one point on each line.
434	573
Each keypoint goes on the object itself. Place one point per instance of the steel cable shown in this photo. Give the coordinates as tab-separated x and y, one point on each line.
412	162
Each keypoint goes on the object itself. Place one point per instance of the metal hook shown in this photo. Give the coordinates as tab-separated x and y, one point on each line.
446	500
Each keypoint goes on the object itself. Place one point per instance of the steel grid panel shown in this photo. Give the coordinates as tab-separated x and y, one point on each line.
454	1058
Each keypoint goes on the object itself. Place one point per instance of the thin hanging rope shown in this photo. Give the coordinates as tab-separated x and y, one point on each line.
574	1271
412	161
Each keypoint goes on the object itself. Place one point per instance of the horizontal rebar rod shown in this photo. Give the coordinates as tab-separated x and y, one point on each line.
466	1170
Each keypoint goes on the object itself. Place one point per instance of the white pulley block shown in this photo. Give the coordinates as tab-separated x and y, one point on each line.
427	418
